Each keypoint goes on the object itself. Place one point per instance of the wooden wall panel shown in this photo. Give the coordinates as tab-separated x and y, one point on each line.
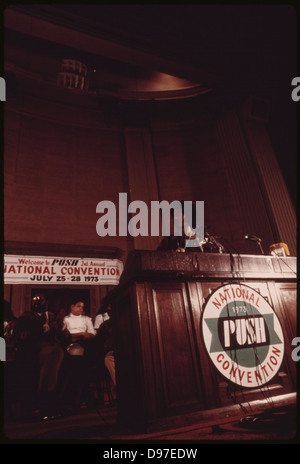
211	161
142	178
176	348
172	171
20	299
129	371
285	296
209	378
242	178
55	178
209	180
273	186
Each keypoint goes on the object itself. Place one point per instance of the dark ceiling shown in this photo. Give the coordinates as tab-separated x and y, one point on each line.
251	43
219	40
247	49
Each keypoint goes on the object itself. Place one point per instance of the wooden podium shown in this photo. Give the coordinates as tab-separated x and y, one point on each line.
164	375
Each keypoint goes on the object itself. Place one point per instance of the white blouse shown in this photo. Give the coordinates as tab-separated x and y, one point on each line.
76	324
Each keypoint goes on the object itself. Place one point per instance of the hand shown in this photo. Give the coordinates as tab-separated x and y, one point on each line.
81	336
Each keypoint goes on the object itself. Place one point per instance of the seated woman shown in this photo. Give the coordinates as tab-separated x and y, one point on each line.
79	328
77	323
80	355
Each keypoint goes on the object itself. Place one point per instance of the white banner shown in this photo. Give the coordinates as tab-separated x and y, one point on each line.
57	270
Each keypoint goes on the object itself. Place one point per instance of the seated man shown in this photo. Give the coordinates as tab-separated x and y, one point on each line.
178	243
37	345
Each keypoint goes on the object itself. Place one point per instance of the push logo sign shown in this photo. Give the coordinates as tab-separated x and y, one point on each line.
242	335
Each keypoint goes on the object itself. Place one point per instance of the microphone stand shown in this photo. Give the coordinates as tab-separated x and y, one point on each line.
257	240
261	248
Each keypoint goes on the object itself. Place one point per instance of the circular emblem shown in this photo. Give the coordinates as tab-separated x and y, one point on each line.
242	335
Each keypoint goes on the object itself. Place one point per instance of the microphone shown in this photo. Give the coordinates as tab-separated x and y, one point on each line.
253	238
258	240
